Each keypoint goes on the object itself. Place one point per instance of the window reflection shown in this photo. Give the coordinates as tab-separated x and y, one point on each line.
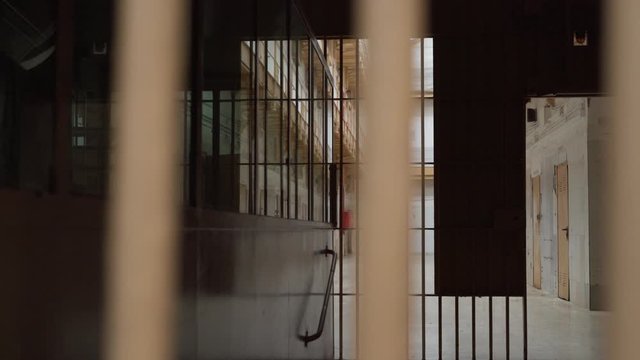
274	135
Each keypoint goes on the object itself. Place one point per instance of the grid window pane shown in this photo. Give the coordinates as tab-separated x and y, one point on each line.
274	131
226	128
417	201
274	193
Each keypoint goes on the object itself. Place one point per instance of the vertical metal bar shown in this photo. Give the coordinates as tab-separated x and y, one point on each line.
142	215
215	149
524	326
422	203
197	78
325	126
357	186
234	184
62	164
506	306
341	206
383	325
623	173
281	122
436	219
490	327
251	103
186	108
311	131
256	100
297	125
266	127
457	328
439	327
473	327
289	103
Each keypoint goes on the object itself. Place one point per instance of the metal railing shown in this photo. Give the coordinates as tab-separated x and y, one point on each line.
325	303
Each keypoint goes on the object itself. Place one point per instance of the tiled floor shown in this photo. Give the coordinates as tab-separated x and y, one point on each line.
556	328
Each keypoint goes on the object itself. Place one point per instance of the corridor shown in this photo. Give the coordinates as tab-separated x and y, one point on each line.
557	329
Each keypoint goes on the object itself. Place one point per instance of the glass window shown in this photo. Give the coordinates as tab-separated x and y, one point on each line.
243	116
274	131
244	188
428	66
302	192
416	66
268	141
303	69
261	69
226	127
274	190
349	89
329	124
207	128
273	69
319	182
260	186
260	133
301	126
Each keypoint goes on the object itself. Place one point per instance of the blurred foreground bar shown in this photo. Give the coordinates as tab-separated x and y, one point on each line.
383	319
624	177
141	251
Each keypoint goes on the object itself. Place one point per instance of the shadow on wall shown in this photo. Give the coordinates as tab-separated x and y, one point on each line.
245	293
251	293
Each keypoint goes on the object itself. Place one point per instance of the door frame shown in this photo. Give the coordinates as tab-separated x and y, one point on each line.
536	204
559	230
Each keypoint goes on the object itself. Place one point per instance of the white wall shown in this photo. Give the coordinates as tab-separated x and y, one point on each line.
560	135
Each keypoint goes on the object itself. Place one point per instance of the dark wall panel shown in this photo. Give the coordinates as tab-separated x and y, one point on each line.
554	64
51	256
487	59
249	286
254	285
479	147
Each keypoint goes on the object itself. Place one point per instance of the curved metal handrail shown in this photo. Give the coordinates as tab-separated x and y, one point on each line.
325	304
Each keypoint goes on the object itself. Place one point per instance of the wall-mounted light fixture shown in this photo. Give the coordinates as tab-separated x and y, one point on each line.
580	38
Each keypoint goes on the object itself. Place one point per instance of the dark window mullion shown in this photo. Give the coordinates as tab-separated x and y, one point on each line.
289	103
215	148
297	131
325	96
357	176
281	122
341	200
195	160
422	200
254	133
265	127
234	168
311	131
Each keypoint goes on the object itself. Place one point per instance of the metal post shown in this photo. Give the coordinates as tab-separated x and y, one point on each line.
142	214
383	324
623	175
341	205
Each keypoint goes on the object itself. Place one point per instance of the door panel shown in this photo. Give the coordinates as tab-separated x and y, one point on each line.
562	190
537	273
